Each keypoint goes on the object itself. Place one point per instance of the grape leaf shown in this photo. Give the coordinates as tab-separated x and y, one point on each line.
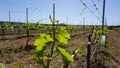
64	32
63	35
65	54
42	40
62	39
49	38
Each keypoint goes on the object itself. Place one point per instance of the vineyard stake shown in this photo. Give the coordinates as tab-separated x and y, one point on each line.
27	27
53	24
103	16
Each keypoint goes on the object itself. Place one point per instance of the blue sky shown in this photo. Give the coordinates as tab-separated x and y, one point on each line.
71	9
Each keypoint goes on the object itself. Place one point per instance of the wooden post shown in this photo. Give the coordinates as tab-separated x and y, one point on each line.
89	51
88	55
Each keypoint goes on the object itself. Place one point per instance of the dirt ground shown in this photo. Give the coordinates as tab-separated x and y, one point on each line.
114	49
14	54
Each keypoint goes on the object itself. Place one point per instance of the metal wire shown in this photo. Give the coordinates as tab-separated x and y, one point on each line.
89	9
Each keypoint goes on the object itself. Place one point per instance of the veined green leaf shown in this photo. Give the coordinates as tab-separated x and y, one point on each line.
65	54
39	48
49	38
62	39
63	35
41	41
64	32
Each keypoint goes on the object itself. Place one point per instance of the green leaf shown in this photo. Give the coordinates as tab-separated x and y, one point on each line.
94	31
64	32
99	41
42	41
46	57
105	30
49	38
99	32
65	54
53	21
62	39
6	25
63	35
37	59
